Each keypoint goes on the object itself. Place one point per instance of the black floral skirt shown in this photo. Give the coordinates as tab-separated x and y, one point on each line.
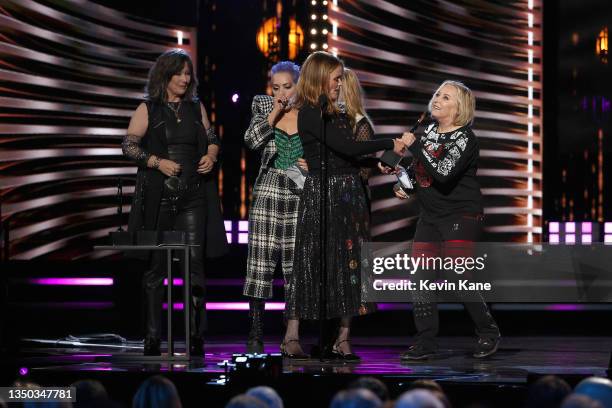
348	226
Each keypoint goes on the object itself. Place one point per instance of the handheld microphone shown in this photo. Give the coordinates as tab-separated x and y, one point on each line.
418	122
392	159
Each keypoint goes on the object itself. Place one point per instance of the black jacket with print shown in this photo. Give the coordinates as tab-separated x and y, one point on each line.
445	168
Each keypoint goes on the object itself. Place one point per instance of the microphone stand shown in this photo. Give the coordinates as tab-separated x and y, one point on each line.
120	203
323	201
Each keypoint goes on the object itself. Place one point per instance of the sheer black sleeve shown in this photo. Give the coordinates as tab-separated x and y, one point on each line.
132	149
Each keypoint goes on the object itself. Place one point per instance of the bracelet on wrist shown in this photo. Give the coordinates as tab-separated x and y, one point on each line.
156	163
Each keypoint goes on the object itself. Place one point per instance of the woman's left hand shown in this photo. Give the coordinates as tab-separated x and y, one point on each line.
302	163
206	164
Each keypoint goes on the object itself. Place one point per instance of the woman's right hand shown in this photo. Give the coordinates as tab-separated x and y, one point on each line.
384	169
399	147
408	138
280	106
169	168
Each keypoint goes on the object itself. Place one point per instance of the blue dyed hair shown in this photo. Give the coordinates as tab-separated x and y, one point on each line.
289	67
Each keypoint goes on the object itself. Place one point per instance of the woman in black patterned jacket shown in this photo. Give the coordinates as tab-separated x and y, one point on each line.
451	219
273	213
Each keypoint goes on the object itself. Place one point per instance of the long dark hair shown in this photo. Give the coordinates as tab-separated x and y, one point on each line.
168	64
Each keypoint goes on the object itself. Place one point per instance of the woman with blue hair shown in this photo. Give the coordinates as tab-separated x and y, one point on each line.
273	213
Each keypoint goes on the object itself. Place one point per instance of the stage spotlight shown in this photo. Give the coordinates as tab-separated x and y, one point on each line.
313	31
324	46
324	31
313	2
313	46
235	98
23	371
324	16
313	17
325	2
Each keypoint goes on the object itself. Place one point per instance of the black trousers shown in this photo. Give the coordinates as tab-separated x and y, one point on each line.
188	216
448	238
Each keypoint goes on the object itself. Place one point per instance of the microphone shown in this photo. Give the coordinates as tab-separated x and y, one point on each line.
418	122
392	159
120	203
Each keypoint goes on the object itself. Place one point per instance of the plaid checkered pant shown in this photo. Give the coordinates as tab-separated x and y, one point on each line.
272	225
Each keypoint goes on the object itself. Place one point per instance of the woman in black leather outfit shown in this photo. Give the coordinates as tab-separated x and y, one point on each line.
174	145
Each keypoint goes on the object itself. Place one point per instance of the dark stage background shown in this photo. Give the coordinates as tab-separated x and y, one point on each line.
71	73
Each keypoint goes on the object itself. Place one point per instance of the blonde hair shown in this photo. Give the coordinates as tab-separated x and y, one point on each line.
314	80
352	94
466	103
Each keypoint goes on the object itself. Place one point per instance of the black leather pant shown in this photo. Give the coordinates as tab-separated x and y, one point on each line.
432	239
189	217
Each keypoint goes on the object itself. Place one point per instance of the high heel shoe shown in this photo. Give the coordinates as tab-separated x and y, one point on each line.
294	356
349	357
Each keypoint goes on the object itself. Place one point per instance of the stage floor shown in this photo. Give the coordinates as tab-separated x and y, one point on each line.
516	358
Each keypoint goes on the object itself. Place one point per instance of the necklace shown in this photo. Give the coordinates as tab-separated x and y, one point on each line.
175	111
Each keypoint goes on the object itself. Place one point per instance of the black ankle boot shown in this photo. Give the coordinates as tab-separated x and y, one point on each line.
197	346
255	341
154	293
152	346
198	325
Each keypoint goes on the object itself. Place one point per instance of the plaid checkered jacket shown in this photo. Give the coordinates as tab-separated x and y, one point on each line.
260	135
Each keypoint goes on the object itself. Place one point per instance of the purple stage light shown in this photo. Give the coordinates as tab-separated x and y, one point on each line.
228	236
553	227
243	226
235	98
587	239
23	371
570	239
175	282
230	306
72	281
608	227
586	228
243	238
228	225
553	238
564	308
608	239
570	227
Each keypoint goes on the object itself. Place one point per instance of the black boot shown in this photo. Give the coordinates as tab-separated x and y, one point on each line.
198	325
152	346
255	342
154	293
